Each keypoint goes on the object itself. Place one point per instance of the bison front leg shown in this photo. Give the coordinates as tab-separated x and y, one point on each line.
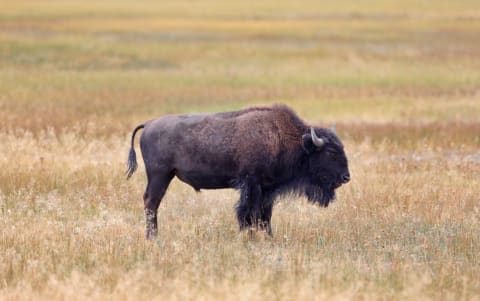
156	188
266	215
249	208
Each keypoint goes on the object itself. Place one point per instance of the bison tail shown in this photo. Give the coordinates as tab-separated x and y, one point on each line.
132	155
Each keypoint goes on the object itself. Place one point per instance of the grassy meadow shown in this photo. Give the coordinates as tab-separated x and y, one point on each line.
400	80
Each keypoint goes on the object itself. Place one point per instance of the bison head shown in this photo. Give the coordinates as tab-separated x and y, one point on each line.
327	165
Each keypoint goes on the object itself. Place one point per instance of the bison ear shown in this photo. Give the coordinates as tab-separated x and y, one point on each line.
307	144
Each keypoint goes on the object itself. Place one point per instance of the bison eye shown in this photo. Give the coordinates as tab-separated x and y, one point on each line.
330	153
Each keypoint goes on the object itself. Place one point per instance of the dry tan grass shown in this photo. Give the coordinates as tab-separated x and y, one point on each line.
72	228
400	79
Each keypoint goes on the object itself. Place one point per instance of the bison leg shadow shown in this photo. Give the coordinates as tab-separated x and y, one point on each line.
254	209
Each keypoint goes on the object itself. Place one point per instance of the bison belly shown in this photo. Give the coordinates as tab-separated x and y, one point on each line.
199	180
206	172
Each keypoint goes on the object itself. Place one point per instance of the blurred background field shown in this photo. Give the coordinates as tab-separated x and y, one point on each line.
400	80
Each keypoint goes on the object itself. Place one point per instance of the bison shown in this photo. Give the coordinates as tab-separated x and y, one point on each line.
260	151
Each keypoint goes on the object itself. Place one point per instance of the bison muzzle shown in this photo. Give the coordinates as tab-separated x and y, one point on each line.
262	152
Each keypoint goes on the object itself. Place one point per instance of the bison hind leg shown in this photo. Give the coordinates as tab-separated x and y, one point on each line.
156	188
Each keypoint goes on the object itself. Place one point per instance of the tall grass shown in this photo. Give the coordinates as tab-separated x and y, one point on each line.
406	227
400	80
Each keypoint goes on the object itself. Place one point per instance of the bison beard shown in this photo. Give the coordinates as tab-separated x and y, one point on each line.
320	195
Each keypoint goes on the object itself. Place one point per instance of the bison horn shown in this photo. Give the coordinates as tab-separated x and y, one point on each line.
318	142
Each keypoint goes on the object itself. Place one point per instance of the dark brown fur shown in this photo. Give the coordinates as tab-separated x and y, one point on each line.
262	151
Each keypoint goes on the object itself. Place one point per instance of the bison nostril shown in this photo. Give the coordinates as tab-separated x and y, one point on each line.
346	178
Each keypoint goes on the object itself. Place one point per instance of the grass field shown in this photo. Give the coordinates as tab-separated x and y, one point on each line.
399	79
